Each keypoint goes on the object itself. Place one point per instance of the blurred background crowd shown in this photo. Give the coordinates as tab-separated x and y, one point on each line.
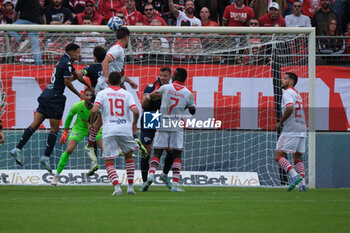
331	18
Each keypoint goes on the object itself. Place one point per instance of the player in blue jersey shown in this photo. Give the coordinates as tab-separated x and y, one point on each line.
94	71
52	103
147	135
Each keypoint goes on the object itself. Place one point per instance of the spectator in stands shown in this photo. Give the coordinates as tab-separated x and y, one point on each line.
196	51
254	52
297	19
273	17
88	43
180	48
2	20
346	17
91	12
253	22
322	16
331	45
150	15
75	6
308	8
163	40
237	14
160	7
204	15
42	11
121	15
159	45
132	15
58	14
187	14
108	8
159	51
347	42
28	12
8	10
211	5
261	7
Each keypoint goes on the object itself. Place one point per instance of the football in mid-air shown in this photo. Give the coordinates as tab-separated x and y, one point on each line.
115	23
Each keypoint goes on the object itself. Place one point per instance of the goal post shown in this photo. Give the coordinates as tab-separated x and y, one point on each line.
232	69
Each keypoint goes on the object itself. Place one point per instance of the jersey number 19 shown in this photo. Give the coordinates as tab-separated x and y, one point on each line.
116	107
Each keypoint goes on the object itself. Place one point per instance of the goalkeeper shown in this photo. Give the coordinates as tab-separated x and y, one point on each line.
79	131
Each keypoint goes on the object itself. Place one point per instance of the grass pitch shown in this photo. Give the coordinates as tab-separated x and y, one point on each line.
66	209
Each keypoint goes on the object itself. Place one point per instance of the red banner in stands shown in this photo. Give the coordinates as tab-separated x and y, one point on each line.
241	96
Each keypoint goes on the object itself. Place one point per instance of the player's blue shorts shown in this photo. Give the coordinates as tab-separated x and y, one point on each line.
147	136
52	106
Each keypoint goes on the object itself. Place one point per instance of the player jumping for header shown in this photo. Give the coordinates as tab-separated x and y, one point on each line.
52	102
114	61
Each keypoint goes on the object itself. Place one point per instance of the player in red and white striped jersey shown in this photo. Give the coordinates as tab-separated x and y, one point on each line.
114	61
115	104
175	99
293	136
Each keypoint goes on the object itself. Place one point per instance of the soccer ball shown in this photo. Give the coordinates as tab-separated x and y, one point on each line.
115	23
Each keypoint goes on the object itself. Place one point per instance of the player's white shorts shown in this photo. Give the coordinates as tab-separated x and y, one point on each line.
291	144
101	84
112	143
169	139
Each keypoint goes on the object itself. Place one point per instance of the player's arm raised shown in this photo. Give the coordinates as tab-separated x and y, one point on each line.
68	83
80	76
136	113
105	66
132	83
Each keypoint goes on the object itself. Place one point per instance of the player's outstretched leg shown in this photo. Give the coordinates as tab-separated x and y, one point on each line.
16	154
45	161
63	161
50	144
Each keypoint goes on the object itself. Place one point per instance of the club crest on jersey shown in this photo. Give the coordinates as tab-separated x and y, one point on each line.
151	120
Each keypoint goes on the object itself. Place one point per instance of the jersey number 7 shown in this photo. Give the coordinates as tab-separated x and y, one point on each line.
116	107
173	105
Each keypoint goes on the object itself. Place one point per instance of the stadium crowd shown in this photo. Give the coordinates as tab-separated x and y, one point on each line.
327	16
